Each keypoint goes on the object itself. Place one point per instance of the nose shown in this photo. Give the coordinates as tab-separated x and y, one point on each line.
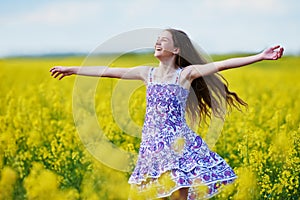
158	42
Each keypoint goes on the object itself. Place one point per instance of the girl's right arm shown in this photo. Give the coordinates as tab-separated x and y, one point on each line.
136	73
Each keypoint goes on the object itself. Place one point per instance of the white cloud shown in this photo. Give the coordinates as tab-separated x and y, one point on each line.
58	13
140	8
219	25
240	6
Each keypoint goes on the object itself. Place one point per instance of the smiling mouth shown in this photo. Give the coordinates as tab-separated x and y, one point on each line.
158	48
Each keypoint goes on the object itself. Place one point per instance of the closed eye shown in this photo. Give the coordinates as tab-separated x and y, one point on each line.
164	39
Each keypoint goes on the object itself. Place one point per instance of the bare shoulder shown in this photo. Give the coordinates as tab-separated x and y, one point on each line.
133	73
143	71
192	72
186	73
185	77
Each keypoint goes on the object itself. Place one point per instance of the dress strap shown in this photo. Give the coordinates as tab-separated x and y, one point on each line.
178	72
150	75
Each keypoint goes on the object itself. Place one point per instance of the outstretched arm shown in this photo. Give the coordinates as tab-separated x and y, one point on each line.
137	73
272	53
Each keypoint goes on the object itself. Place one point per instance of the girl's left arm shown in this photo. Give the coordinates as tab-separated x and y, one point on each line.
272	53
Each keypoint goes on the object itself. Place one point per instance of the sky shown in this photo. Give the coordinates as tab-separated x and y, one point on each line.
217	26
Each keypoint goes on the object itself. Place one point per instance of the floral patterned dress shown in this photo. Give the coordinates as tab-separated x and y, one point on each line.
171	155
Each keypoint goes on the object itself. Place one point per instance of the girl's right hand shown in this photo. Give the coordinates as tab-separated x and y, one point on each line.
63	71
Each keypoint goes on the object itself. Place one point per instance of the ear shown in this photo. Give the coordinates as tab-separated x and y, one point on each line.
176	50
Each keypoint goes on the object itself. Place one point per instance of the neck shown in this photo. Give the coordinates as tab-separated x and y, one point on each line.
167	65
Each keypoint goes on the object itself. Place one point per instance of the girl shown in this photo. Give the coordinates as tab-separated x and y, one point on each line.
173	160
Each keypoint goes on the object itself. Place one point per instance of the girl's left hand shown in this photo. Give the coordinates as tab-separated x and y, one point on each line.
272	53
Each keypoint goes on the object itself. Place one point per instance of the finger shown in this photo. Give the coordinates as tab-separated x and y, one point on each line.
275	47
281	51
52	73
61	77
56	75
279	54
53	68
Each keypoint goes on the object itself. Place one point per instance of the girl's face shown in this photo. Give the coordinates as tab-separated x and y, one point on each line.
164	46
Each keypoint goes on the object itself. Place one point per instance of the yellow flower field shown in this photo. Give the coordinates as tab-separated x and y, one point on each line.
42	155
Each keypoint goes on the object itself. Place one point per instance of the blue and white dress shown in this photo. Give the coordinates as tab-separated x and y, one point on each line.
171	155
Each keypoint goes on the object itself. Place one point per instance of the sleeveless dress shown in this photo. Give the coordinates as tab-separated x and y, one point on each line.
171	155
